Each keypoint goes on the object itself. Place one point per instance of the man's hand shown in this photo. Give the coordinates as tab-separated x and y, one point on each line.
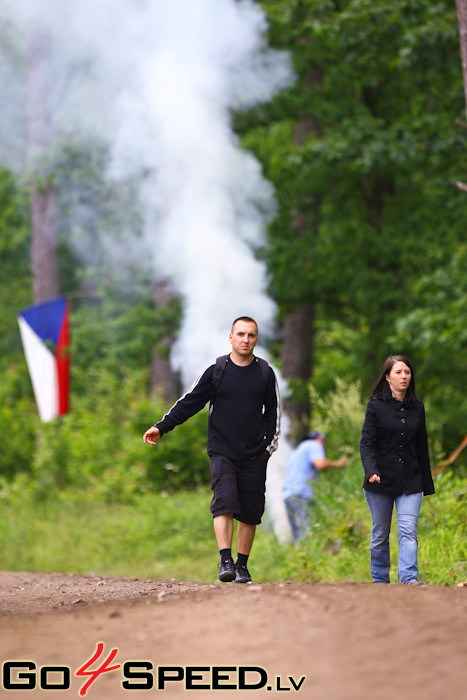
325	463
152	435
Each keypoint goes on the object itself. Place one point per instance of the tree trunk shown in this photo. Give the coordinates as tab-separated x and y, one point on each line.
44	250
462	18
163	378
297	354
298	343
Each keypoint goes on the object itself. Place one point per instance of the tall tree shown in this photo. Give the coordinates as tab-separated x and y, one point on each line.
44	249
163	377
299	322
382	164
462	17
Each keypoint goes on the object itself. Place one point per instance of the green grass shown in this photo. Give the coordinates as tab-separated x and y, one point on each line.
94	500
171	536
156	536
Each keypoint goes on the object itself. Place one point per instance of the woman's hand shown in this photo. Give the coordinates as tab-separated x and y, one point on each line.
374	478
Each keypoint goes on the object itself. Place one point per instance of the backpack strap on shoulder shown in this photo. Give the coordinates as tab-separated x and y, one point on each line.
219	369
264	366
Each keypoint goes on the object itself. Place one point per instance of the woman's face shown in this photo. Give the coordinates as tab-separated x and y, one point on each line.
399	378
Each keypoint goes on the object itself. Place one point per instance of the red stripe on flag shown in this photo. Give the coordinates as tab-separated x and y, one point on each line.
63	364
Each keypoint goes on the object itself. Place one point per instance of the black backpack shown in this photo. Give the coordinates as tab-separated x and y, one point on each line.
220	368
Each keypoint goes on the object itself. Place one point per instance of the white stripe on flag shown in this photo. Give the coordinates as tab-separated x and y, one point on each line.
42	370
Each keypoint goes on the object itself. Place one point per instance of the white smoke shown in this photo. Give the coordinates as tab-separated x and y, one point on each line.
157	80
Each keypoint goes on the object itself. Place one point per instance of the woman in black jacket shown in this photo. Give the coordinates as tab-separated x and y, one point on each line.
394	452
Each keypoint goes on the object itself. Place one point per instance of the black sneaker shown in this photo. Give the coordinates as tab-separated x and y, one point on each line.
242	574
226	571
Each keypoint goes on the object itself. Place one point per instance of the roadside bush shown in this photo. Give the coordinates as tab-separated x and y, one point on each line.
94	481
98	446
18	420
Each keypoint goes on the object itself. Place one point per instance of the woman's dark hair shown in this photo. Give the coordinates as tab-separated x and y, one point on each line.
381	389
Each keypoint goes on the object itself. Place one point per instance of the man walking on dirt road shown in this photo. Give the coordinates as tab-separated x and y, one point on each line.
243	432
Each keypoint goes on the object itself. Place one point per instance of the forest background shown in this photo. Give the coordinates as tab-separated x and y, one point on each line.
365	256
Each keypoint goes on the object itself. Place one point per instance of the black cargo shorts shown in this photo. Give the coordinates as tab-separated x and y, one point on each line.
239	487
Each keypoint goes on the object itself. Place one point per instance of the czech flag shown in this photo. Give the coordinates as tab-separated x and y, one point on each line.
44	332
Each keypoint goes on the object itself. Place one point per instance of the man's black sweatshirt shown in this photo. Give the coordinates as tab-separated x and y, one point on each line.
244	417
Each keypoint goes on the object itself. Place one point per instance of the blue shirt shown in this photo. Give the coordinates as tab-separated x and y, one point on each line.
300	470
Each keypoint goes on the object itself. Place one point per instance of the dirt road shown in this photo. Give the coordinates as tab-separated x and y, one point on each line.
310	641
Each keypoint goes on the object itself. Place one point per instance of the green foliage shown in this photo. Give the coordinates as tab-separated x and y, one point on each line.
14	263
17	418
443	529
89	507
437	331
117	331
98	446
340	414
162	535
364	155
159	536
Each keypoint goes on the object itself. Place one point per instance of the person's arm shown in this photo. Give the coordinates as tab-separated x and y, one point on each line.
325	463
272	413
424	457
368	444
186	406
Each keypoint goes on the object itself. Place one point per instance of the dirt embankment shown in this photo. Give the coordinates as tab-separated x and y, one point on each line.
167	638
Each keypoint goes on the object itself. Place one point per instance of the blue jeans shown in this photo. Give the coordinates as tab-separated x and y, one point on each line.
299	514
408	510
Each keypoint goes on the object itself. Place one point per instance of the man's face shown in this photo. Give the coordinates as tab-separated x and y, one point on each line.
243	338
